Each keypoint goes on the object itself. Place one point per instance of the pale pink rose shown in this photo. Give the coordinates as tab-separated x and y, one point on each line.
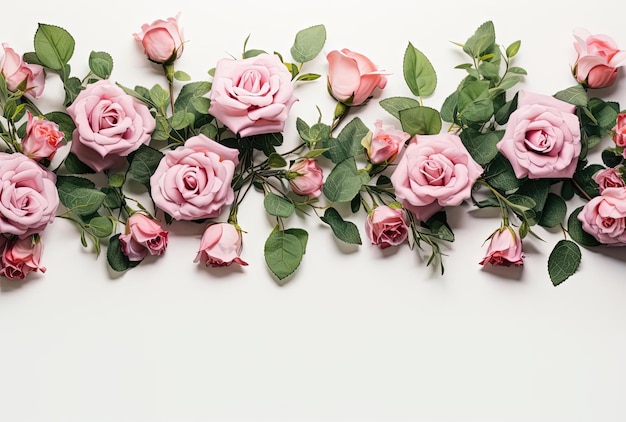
505	248
193	181
598	59
542	138
604	217
220	246
306	177
252	96
387	226
110	124
385	143
20	257
143	236
17	72
435	171
43	138
162	40
619	130
352	77
609	178
28	195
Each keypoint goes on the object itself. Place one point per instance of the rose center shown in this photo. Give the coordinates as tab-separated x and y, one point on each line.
251	81
538	141
434	172
191	183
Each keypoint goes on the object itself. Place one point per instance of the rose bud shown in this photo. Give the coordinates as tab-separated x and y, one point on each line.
143	236
16	73
43	138
162	40
20	257
609	178
220	246
306	177
619	130
384	144
352	77
505	248
386	226
598	59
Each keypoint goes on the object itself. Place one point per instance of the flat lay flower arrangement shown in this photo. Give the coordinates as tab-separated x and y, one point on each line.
123	162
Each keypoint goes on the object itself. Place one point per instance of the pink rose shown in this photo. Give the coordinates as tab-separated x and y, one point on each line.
43	138
505	248
542	138
619	130
20	75
352	77
28	195
609	178
162	40
306	177
193	181
110	124
385	144
220	246
252	96
387	226
20	257
604	217
598	59
143	236
435	171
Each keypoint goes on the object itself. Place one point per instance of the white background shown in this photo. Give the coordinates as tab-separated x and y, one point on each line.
359	334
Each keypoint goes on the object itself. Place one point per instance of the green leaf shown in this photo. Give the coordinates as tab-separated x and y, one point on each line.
474	103
276	161
308	43
345	231
420	120
283	252
481	146
278	206
101	64
319	132
554	211
348	142
481	40
69	183
117	180
419	73
101	226
114	198
585	181
72	87
192	97
54	46
501	176
181	120
143	163
513	49
394	105
564	260
575	95
449	107
64	121
576	231
159	96
82	201
116	258
179	75
344	181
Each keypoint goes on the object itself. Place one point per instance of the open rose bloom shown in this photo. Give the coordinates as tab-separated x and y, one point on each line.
386	226
19	257
505	248
162	40
598	59
604	217
352	77
220	246
619	131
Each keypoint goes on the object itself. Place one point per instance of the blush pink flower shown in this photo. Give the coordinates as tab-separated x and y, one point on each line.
542	138
162	40
435	171
352	77
20	257
110	124
193	181
143	236
386	226
306	177
252	96
21	75
609	178
28	195
619	130
598	59
384	144
604	217
505	248
220	246
43	138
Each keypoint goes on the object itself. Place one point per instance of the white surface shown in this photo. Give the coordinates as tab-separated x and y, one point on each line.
357	335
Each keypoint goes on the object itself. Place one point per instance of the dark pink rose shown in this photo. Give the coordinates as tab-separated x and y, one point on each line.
220	246
43	138
20	257
110	124
20	75
505	248
542	137
385	143
252	96
352	77
193	181
28	195
619	130
386	226
598	59
306	177
609	178
143	236
435	171
604	217
162	40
